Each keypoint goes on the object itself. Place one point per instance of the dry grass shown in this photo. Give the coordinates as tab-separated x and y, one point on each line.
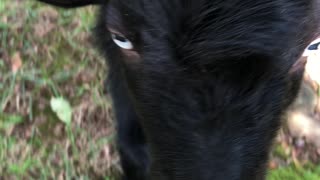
47	53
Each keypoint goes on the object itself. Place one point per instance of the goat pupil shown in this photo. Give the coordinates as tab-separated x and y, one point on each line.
120	38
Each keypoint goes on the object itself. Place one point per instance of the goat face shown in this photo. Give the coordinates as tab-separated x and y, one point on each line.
203	82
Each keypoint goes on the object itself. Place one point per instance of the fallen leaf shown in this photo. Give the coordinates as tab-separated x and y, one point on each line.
273	164
62	109
16	62
43	28
46	22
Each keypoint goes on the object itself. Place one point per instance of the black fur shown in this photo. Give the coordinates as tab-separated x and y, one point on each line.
202	95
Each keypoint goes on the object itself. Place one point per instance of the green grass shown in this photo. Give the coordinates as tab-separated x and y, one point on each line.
295	173
58	61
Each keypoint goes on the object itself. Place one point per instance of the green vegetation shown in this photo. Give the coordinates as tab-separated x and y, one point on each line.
46	55
295	173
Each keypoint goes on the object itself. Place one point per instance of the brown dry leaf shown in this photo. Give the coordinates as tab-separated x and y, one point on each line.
16	62
43	28
105	153
46	21
4	19
60	177
273	164
48	13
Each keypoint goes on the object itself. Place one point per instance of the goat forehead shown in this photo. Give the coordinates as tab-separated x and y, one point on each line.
216	25
196	15
166	11
159	13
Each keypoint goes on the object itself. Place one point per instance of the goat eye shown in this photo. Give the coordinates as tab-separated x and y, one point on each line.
121	41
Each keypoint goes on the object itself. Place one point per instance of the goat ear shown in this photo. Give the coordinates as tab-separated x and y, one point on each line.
73	3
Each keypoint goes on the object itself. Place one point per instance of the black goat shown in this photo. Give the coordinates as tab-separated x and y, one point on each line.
200	86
